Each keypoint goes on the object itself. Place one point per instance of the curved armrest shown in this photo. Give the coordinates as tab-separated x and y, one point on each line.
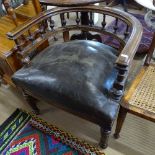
129	50
45	20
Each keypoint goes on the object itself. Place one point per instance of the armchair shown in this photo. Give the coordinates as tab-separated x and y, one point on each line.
13	14
85	78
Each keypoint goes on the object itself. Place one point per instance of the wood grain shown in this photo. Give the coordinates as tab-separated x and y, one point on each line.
14	18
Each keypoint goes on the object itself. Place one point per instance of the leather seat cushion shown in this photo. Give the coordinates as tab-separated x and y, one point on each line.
78	75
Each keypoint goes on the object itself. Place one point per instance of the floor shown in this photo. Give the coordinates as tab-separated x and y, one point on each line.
137	136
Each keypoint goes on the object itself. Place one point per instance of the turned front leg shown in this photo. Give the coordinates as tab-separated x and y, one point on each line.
32	102
105	133
120	120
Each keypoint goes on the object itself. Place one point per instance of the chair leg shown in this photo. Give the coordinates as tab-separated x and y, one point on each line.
32	102
104	137
68	15
120	120
124	3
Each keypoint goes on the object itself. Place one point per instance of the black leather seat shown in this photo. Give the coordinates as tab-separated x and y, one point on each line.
78	75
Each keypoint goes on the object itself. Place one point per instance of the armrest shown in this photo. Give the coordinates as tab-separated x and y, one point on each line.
126	56
128	51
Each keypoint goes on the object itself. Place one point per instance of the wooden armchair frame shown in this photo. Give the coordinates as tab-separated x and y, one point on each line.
128	50
47	28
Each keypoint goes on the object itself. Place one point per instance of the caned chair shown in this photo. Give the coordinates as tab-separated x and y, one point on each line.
84	77
139	99
13	14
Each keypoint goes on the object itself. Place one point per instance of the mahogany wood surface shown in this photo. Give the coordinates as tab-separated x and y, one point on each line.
69	3
14	18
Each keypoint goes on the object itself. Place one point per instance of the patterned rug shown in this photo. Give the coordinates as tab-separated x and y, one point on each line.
146	38
26	134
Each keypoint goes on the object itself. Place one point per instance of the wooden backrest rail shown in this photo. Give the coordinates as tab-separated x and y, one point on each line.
128	50
46	28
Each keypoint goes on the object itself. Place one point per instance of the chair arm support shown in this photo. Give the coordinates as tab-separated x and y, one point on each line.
124	60
127	54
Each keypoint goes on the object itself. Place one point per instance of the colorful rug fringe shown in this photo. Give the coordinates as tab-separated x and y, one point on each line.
26	134
146	38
